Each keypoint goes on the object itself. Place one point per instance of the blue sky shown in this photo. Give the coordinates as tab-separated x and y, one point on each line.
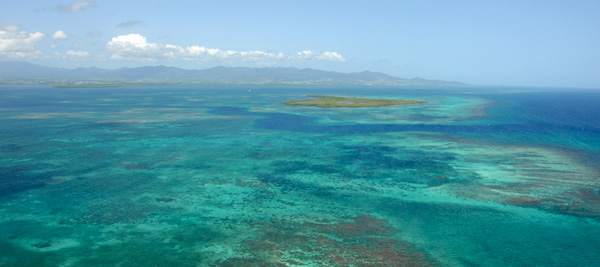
520	43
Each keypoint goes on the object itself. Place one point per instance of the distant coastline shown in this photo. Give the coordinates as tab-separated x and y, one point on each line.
23	73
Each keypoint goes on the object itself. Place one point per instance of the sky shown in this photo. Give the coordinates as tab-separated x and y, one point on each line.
550	43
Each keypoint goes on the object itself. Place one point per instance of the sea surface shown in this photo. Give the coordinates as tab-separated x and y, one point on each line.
230	176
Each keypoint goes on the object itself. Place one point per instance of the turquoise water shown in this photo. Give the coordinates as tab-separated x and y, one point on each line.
229	176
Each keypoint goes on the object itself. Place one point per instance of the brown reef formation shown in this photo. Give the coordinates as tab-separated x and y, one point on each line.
356	241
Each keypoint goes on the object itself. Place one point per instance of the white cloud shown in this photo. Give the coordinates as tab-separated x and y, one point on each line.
136	47
325	56
60	35
331	56
18	44
77	53
306	54
75	7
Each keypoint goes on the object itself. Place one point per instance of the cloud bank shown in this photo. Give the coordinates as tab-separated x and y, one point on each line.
18	44
136	47
75	7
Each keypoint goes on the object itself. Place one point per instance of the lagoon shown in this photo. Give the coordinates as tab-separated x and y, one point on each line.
227	176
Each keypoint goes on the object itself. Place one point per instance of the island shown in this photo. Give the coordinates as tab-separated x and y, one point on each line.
325	101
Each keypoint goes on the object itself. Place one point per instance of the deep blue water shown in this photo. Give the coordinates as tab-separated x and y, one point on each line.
532	113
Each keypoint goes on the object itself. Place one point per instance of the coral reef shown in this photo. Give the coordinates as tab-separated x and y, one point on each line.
358	241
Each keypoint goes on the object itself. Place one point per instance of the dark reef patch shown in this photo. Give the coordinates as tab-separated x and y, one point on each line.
11	148
378	162
137	166
118	211
165	199
288	185
20	178
43	244
291	166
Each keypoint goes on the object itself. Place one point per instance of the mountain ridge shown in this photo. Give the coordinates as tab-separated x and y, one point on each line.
15	72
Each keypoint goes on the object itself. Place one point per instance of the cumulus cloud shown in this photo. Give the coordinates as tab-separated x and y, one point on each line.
60	35
18	44
129	24
75	7
136	47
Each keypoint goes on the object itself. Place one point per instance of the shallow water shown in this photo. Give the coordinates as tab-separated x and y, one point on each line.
224	176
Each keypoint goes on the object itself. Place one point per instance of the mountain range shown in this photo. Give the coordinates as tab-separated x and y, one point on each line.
15	72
